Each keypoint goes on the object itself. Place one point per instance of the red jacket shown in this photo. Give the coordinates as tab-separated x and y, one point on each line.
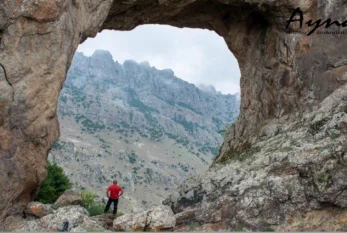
114	191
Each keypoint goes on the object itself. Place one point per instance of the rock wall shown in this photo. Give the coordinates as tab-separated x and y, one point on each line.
283	75
291	175
38	41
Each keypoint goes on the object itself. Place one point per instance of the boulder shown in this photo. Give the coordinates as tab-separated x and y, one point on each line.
105	220
77	216
14	222
160	218
78	229
185	217
139	221
38	209
123	223
31	226
69	197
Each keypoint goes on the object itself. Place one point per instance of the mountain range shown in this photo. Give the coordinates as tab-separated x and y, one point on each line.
137	124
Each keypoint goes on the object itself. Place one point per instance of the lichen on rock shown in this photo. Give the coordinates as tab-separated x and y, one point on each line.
292	173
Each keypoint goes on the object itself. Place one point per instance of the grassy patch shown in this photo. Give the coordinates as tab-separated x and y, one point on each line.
268	229
323	177
334	136
192	226
286	149
241	152
320	149
239	228
94	208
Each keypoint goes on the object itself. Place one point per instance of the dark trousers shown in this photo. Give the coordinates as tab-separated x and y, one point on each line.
115	204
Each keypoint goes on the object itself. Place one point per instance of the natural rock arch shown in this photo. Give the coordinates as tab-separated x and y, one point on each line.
282	74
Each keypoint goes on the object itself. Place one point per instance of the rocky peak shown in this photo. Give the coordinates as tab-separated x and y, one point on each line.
145	64
102	55
207	88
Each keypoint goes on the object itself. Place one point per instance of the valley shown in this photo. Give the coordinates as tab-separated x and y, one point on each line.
144	127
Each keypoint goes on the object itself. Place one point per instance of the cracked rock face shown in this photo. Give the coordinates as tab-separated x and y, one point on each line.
38	41
78	218
160	218
283	75
38	209
283	180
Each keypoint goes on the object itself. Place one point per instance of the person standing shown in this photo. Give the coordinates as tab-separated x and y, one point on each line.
113	192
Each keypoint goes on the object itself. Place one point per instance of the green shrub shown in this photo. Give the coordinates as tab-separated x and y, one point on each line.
268	229
323	177
54	207
63	99
87	199
54	185
193	226
334	136
239	228
94	208
58	145
98	209
88	202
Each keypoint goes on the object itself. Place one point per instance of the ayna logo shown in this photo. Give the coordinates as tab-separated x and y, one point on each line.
312	26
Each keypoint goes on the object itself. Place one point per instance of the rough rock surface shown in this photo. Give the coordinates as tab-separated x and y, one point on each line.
77	217
279	181
125	222
38	209
105	220
283	75
69	197
160	218
37	42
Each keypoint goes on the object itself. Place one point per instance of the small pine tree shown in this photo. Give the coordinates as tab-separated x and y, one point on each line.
54	185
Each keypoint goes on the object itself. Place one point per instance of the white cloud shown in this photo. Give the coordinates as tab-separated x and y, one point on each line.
195	55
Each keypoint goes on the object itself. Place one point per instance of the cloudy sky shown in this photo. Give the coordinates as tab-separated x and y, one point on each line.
195	55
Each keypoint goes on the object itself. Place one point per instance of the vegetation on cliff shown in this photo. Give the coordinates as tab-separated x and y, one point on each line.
54	185
92	206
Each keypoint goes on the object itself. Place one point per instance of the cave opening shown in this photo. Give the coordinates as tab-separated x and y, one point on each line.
148	107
